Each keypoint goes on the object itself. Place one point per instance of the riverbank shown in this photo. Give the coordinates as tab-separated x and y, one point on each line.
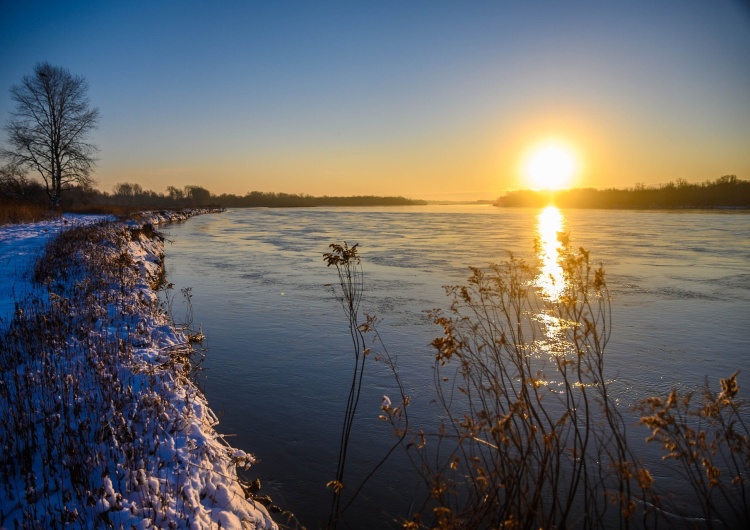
100	422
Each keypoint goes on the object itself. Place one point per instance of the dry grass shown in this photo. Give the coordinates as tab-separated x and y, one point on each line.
103	209
15	213
706	441
532	438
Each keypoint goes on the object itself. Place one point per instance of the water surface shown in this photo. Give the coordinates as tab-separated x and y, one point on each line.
279	358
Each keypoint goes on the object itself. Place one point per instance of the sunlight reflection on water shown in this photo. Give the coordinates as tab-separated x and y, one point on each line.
551	279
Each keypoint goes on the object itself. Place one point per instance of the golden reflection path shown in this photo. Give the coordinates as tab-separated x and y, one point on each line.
551	280
551	242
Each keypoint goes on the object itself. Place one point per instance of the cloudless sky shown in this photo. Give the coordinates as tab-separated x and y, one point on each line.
426	99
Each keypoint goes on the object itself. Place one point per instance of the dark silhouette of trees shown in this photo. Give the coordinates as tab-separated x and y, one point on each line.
16	186
47	131
175	194
133	195
725	192
197	195
127	189
292	200
128	196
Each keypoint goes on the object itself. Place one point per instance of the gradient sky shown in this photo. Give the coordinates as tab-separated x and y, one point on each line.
426	99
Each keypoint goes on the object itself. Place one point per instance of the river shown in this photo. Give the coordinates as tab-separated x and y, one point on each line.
279	359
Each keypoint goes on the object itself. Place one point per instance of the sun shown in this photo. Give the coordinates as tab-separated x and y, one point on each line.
550	165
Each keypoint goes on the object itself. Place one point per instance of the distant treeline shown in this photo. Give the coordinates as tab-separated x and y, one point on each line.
129	194
285	200
132	196
725	192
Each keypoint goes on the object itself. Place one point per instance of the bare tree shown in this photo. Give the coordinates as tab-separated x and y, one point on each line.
47	130
127	189
13	182
198	195
176	194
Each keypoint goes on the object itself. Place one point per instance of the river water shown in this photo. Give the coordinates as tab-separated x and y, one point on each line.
279	358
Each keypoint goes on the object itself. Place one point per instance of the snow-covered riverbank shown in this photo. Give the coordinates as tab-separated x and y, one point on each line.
100	424
21	245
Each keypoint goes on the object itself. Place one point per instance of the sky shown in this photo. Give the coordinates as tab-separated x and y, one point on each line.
425	99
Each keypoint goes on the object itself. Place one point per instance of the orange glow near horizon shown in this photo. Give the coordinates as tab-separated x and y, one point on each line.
551	165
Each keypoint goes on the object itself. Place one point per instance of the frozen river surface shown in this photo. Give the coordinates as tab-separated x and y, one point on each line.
279	355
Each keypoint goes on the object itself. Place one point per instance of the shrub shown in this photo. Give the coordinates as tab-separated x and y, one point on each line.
531	437
708	446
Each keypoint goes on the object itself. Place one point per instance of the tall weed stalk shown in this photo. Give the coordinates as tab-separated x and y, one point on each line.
347	262
349	269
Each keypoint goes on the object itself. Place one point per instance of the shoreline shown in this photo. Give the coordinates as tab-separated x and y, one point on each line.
106	427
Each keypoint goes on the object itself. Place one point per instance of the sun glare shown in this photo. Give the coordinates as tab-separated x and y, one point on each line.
550	166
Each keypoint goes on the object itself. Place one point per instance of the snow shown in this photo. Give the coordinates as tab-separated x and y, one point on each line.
112	399
20	245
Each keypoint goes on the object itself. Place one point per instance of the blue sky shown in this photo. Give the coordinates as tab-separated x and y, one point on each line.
429	99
